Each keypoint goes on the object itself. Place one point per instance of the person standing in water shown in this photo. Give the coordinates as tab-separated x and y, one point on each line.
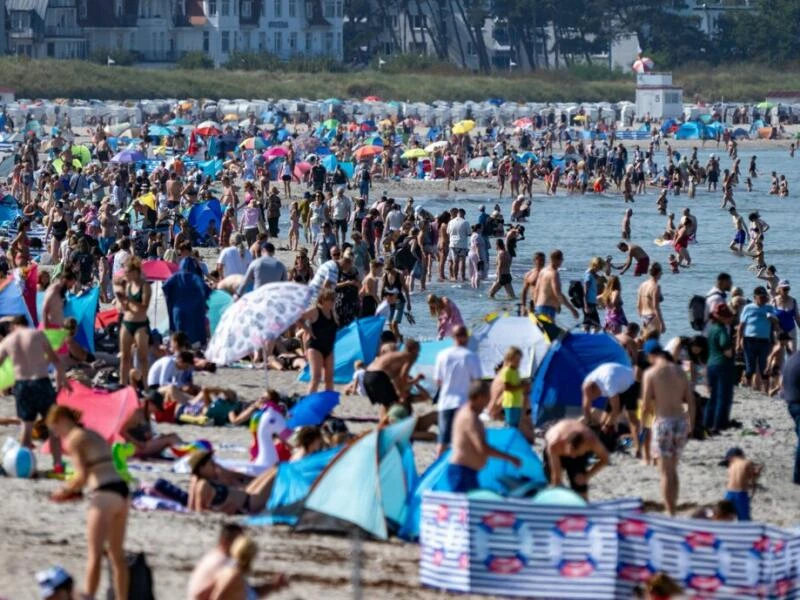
648	301
503	272
548	297
529	283
740	237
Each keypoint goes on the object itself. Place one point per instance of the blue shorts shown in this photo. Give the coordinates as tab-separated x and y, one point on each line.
756	353
739	237
446	417
741	500
546	311
461	479
512	416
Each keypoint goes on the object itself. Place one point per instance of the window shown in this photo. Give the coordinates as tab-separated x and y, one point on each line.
226	42
206	42
262	40
330	9
418	21
225	8
328	42
472	50
292	9
84	11
247	9
339	8
419	47
278	9
293	41
309	41
212	8
338	43
672	97
278	42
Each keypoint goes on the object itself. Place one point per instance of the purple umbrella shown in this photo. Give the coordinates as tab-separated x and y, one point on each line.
128	156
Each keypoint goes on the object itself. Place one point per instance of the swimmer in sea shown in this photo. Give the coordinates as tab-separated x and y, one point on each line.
626	224
740	237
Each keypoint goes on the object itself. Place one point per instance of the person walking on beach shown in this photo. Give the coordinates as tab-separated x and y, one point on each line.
568	446
455	368
664	391
470	450
503	272
529	283
753	337
547	296
648	301
31	356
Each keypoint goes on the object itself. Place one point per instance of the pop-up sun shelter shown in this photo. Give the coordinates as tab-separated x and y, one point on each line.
558	381
358	341
491	340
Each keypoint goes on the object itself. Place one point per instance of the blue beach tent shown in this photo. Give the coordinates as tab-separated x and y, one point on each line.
557	384
357	341
497	476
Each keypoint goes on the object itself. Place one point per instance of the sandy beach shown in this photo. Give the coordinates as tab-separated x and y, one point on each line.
36	533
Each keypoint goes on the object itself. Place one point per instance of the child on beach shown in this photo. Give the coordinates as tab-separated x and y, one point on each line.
673	264
513	387
743	477
356	386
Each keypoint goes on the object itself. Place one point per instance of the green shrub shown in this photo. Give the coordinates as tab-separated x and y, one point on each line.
195	60
121	58
252	61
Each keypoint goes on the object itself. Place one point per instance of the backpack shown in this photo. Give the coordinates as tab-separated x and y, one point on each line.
697	312
140	584
575	293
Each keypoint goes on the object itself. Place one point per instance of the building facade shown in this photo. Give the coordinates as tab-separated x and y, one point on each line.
165	30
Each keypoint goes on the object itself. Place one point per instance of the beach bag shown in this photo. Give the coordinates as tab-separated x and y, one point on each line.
575	293
140	586
697	313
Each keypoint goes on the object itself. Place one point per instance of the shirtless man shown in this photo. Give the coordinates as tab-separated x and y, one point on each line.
470	450
54	297
31	355
690	221
503	272
369	289
648	301
740	237
569	445
743	477
529	283
627	340
547	296
386	380
634	253
664	390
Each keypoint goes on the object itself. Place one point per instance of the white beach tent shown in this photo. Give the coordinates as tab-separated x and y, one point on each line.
490	341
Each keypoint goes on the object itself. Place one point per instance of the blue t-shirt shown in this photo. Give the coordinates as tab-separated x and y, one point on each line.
757	320
590	287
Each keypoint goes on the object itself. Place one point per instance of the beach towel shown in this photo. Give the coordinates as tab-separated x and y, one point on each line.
186	294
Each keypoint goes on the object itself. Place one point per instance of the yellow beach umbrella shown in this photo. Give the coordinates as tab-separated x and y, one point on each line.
463	127
415	153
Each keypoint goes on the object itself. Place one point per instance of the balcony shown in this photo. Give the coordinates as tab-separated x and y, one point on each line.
22	33
63	32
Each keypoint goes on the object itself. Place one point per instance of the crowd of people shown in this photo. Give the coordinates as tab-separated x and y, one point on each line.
100	223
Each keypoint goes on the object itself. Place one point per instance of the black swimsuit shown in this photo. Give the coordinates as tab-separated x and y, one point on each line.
324	330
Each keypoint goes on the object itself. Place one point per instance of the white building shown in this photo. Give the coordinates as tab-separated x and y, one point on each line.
164	30
44	29
657	97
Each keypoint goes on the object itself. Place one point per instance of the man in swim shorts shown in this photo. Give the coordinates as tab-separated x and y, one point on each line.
470	450
635	253
568	446
665	389
386	380
547	296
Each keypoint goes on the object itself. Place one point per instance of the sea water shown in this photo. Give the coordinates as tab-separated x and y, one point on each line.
583	226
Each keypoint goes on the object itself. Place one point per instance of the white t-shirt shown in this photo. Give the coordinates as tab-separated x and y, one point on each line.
394	220
459	231
358	381
234	263
611	378
162	372
455	368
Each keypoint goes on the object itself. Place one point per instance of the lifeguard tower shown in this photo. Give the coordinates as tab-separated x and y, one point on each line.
657	96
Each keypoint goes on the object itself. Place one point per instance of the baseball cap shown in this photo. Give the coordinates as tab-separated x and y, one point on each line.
734	452
651	347
784	283
52	580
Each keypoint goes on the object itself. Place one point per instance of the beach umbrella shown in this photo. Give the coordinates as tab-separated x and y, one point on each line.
82	154
230	117
523	123
178	121
313	409
333	101
158	131
128	156
253	143
643	64
375	140
366	152
765	105
479	163
580	118
208	128
463	127
367	125
372	99
330	124
275	152
58	164
441	144
415	153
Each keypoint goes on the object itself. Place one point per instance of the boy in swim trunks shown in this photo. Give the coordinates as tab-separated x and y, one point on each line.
664	390
743	476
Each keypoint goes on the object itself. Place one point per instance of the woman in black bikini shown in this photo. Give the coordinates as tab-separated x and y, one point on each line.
320	324
108	501
135	327
57	225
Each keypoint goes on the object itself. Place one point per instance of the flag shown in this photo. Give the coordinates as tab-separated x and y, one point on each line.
511	63
381	62
110	61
